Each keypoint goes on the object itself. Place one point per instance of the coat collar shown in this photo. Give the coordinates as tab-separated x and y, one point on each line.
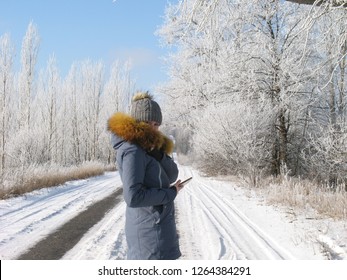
139	133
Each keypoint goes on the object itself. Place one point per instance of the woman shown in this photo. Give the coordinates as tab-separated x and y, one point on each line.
147	171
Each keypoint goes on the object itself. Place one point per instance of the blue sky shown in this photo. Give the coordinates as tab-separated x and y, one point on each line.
106	30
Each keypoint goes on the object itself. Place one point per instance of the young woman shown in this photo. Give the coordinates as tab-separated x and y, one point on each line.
147	172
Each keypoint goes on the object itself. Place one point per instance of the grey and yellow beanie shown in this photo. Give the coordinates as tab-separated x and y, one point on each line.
145	109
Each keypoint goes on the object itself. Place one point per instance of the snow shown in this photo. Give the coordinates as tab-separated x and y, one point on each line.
216	220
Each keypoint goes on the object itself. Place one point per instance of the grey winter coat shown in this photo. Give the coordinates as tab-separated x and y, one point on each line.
150	226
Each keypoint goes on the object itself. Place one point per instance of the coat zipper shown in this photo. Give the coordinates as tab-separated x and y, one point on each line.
160	181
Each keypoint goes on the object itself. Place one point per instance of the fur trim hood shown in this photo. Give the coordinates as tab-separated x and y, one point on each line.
139	133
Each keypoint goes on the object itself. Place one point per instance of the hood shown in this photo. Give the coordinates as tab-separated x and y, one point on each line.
139	133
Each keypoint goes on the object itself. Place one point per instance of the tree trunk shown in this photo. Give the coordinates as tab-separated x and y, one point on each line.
283	138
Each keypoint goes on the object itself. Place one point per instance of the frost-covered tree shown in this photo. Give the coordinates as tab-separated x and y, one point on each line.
333	3
118	89
329	134
47	110
72	105
200	30
6	95
252	54
116	97
282	72
92	82
50	121
228	48
29	52
229	144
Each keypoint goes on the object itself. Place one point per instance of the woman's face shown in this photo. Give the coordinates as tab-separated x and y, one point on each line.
154	125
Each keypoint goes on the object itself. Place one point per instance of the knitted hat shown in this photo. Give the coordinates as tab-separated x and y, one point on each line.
144	108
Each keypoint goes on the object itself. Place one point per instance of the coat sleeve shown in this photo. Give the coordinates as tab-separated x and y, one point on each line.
170	168
135	194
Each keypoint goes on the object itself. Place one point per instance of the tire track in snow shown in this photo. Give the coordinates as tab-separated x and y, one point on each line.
214	220
268	247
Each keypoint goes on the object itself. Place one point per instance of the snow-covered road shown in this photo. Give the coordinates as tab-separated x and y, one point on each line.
28	219
223	227
216	220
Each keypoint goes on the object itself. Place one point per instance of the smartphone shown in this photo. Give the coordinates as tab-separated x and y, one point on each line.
185	181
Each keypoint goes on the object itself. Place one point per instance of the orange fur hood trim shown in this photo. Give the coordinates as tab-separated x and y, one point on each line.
139	133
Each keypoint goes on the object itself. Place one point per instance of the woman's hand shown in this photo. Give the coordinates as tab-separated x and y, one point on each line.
178	186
